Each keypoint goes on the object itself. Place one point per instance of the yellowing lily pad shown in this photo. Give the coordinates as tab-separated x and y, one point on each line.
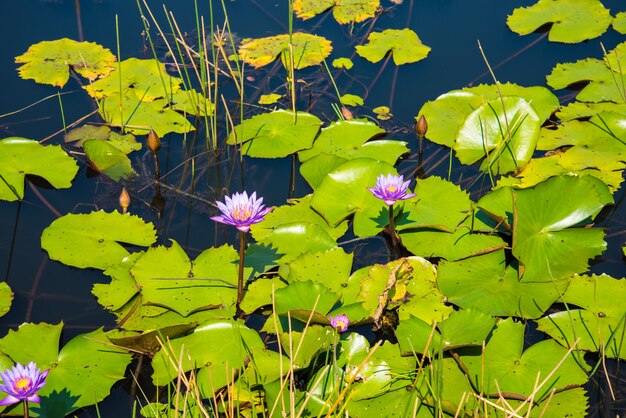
307	49
49	62
619	22
572	20
404	44
382	112
147	79
268	99
343	63
344	11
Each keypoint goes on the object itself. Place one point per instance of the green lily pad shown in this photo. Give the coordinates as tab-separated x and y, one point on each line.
49	62
505	137
572	20
405	45
596	316
307	49
169	279
342	63
146	79
305	295
440	205
619	22
351	100
125	143
92	240
108	159
6	297
344	11
382	113
298	211
485	283
330	268
303	346
219	347
87	357
548	249
344	192
275	134
260	293
148	342
342	136
121	289
141	116
294	238
191	102
315	169
21	156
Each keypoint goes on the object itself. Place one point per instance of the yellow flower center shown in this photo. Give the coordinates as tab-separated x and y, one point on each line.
242	213
391	188
23	384
341	323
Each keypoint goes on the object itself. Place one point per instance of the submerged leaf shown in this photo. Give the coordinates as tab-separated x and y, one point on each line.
405	45
21	156
307	50
49	62
108	159
572	20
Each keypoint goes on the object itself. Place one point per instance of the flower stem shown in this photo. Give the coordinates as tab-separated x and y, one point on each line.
25	408
395	239
242	250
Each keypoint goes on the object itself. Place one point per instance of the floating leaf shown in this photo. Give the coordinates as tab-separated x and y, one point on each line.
49	62
298	211
295	238
141	116
169	279
304	295
572	20
121	289
596	315
344	11
343	192
351	100
149	342
217	347
268	99
503	131
108	159
6	297
485	283
191	102
307	50
342	63
619	22
405	45
146	79
92	240
260	293
330	268
382	113
125	143
276	134
21	156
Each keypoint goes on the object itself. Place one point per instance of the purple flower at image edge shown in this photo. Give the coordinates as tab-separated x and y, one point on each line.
339	322
21	383
241	211
391	188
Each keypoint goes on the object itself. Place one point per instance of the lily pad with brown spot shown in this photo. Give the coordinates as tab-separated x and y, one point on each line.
308	50
344	11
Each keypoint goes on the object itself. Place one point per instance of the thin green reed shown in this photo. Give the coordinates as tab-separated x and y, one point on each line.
119	70
62	112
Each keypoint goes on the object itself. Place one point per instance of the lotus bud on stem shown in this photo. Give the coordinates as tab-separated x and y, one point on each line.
154	144
346	113
124	200
421	127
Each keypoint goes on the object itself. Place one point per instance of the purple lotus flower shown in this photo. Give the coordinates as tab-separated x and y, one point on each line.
391	189
339	322
22	383
241	211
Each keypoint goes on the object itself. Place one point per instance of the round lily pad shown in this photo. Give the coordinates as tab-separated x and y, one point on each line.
404	45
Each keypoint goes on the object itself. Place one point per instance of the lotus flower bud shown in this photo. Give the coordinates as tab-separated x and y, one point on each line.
124	200
154	142
421	127
346	113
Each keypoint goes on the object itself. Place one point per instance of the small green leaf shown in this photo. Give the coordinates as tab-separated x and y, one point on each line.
342	63
21	156
572	20
92	240
268	99
50	62
382	113
351	100
404	44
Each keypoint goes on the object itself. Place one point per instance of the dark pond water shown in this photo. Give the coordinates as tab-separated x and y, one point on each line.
49	291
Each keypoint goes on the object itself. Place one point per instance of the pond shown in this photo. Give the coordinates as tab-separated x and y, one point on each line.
304	262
